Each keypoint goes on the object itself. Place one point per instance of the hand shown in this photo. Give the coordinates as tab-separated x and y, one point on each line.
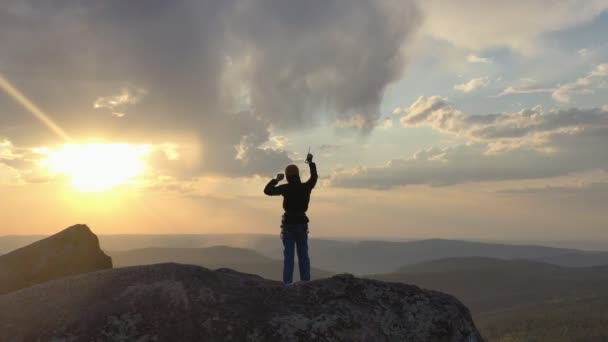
309	158
280	177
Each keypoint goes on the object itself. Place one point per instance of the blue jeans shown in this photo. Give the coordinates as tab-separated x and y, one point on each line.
295	236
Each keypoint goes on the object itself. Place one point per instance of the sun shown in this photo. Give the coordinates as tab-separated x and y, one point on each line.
97	167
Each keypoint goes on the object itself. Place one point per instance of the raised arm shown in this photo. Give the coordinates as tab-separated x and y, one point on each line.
271	188
312	181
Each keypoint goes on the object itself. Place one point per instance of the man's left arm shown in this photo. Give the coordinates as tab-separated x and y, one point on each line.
312	181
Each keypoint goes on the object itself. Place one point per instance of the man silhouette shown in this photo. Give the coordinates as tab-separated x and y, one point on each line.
294	225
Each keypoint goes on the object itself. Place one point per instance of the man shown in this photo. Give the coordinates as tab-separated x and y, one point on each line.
294	225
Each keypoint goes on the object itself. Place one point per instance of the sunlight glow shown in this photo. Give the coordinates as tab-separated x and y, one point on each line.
32	108
97	167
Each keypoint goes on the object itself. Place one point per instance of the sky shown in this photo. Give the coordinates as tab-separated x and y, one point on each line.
474	119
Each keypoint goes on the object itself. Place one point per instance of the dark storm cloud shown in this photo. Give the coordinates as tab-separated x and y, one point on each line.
336	55
223	70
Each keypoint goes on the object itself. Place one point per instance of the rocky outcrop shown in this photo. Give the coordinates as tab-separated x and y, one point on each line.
172	302
71	251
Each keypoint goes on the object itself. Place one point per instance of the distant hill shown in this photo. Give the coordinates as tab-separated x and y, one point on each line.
367	257
239	259
381	256
577	259
266	243
480	264
71	251
518	297
357	257
11	242
364	257
211	255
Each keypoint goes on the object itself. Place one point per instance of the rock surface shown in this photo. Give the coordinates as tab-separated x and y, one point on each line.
172	302
71	251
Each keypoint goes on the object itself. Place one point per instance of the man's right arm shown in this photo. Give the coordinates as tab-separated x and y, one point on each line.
312	181
271	188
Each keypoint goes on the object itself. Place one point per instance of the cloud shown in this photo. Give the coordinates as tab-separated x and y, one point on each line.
588	193
564	93
7	150
425	108
472	84
8	175
354	122
583	85
480	24
511	90
473	58
118	103
448	166
387	123
222	71
597	188
533	126
329	147
586	53
19	165
529	144
346	55
278	142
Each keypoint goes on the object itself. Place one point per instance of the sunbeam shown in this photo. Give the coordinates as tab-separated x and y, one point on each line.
23	100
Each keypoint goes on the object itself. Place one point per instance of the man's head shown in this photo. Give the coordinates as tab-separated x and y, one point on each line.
292	173
292	170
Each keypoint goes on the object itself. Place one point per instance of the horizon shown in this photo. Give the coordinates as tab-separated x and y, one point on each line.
588	246
426	119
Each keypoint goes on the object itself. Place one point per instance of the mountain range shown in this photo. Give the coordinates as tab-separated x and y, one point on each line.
365	257
356	257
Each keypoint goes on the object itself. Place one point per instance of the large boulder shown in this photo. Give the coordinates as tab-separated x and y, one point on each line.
173	302
71	251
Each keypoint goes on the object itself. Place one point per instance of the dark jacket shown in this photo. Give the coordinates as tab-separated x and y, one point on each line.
296	195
